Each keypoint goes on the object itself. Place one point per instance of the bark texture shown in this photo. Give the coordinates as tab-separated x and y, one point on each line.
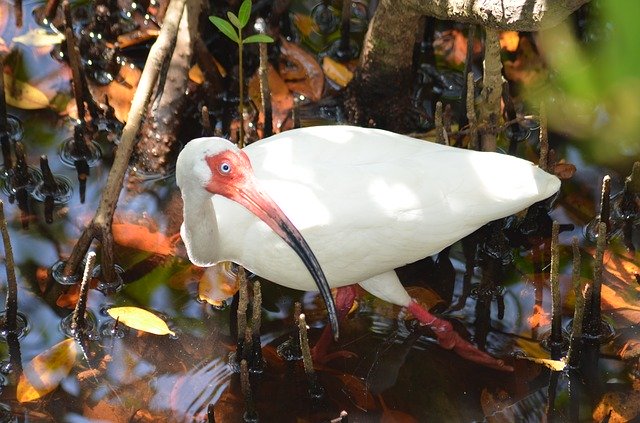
385	63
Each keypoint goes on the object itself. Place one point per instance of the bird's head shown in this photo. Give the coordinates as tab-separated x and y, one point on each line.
215	166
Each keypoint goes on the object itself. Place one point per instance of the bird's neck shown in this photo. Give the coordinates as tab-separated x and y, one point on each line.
200	230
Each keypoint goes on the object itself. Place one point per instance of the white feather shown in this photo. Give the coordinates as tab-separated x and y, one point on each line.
366	201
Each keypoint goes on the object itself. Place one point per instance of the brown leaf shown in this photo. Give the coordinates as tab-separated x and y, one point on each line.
281	97
45	371
564	170
301	71
120	91
623	406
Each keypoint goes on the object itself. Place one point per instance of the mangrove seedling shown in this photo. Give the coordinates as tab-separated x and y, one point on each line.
233	30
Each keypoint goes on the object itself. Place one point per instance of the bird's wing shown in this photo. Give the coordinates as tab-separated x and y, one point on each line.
381	200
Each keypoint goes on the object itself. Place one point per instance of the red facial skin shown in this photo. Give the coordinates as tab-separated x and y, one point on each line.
232	177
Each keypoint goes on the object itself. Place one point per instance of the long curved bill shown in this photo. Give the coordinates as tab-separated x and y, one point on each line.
262	206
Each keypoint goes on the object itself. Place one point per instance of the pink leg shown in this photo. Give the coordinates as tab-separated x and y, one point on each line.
344	301
451	340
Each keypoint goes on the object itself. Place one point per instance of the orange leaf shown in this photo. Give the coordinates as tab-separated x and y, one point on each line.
539	318
509	40
142	238
336	71
217	284
44	373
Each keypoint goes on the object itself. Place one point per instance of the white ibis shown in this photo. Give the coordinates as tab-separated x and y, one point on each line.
351	202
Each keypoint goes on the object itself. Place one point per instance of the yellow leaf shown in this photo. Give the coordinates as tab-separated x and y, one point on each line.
555	365
39	37
45	371
140	319
196	75
217	284
336	71
22	95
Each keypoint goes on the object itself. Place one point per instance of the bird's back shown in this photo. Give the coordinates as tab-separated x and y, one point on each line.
368	201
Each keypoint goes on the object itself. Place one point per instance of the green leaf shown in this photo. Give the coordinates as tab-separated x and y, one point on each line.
257	38
244	13
225	27
234	20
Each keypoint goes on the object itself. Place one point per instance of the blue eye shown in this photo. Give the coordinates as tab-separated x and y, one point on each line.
225	168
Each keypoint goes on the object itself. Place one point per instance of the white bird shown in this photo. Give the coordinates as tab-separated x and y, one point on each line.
365	200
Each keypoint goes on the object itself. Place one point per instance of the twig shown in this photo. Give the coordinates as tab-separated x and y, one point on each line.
50	9
265	94
593	320
471	112
491	89
315	389
544	139
556	306
11	305
438	122
605	201
74	61
256	311
250	411
4	125
79	321
344	50
100	226
579	288
207	130
18	13
243	301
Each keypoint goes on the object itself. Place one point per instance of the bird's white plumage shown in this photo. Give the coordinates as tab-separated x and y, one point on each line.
366	201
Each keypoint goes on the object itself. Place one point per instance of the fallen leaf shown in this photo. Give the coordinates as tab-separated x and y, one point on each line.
196	75
527	67
539	318
140	319
617	407
494	403
142	238
281	97
22	95
564	170
622	267
120	92
555	365
39	37
509	40
305	24
137	37
336	71
451	47
217	284
301	71
45	371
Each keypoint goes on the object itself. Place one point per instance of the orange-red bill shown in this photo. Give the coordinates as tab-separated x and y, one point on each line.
244	191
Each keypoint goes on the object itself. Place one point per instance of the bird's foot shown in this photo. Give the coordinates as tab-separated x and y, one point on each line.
344	297
451	340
